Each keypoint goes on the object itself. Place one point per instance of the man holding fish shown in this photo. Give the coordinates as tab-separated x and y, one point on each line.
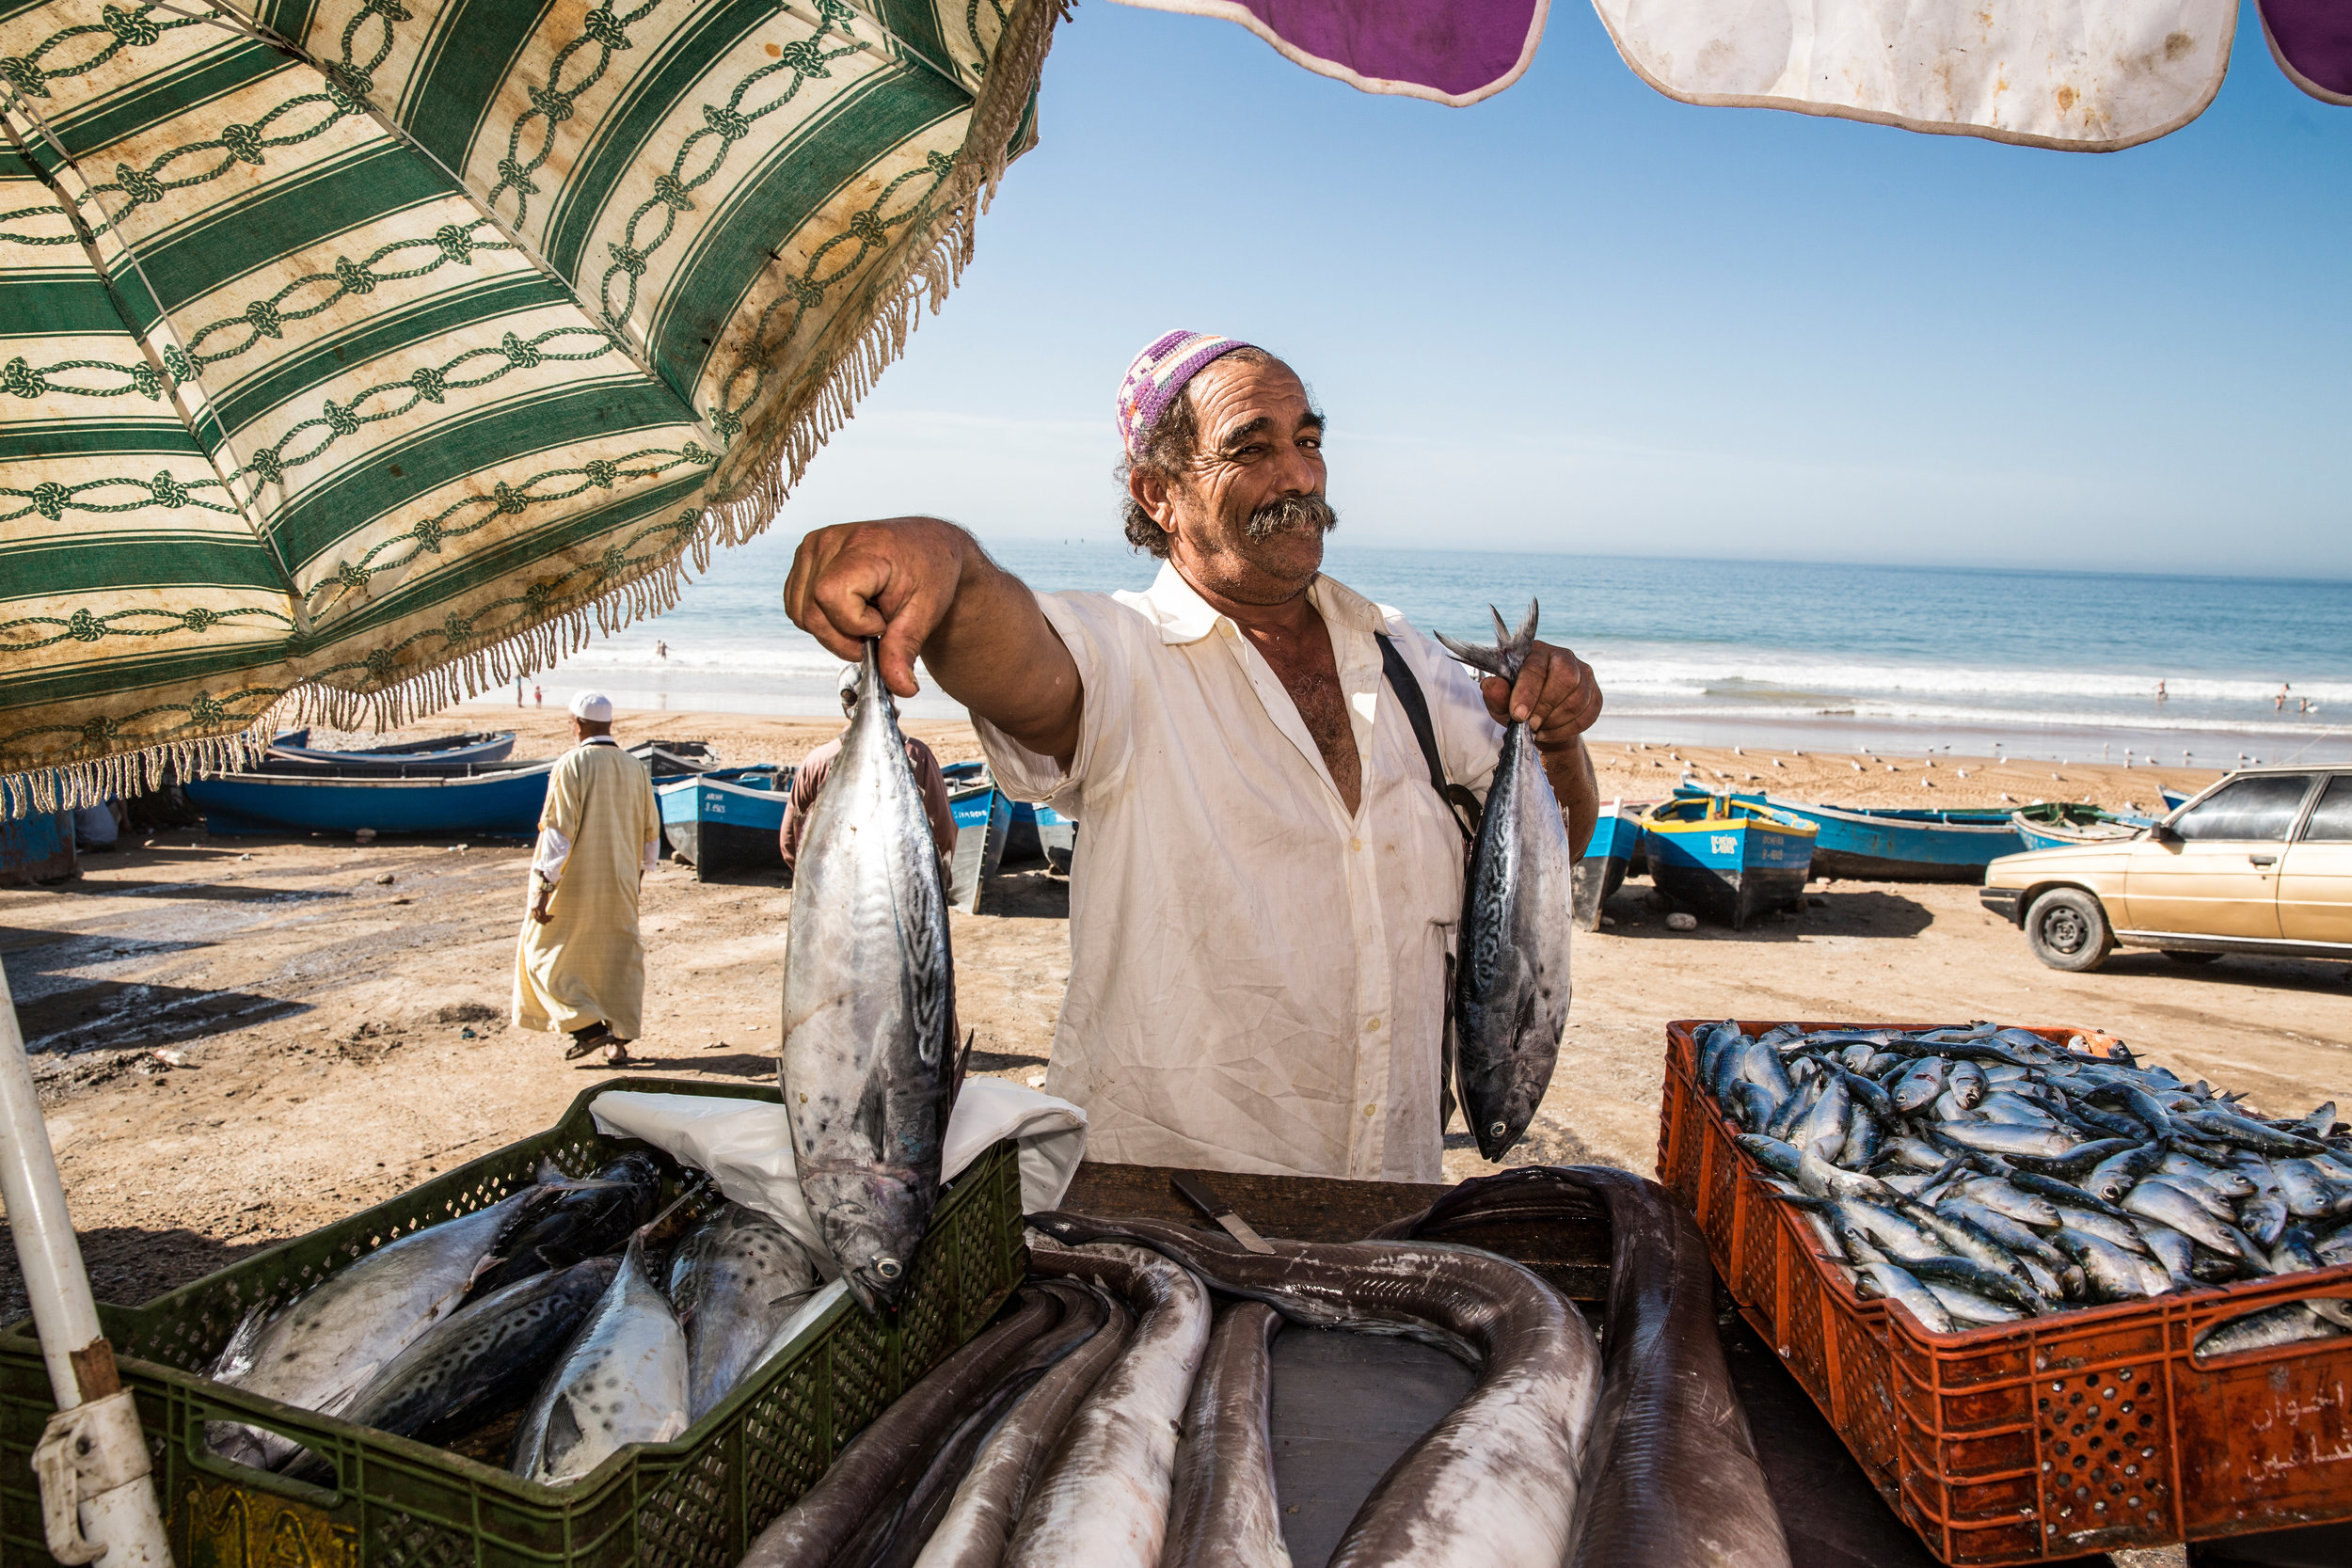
1264	912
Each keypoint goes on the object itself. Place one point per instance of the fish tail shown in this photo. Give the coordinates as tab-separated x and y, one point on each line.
1509	651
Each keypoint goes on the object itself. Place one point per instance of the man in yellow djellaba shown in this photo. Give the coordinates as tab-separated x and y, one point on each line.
579	964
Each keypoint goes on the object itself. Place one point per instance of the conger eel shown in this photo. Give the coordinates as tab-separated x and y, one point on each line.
1671	1478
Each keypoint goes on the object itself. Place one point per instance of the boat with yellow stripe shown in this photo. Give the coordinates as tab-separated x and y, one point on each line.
1727	859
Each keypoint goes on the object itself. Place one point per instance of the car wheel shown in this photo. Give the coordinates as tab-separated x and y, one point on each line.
2067	929
2183	955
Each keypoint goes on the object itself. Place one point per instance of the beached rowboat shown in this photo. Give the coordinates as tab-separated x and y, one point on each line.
496	799
1728	858
2054	824
291	753
727	818
1617	839
1040	832
1897	844
984	817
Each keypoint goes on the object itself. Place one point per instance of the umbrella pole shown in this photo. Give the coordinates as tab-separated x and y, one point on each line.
97	1500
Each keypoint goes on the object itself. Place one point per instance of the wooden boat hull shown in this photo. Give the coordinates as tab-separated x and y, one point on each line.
1617	838
1036	833
502	802
724	821
984	817
448	752
1730	868
1891	843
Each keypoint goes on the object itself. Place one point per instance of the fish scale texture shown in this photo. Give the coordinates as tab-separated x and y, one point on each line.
869	1007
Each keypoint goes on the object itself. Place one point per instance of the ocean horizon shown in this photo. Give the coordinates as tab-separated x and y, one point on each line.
1972	659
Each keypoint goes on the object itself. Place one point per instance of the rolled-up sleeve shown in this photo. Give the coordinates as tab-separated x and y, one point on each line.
1090	626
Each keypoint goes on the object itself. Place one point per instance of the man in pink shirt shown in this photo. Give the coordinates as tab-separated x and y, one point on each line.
809	778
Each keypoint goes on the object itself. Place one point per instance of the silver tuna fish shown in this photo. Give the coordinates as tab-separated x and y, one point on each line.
320	1350
1511	980
735	1279
622	1380
486	1360
869	1007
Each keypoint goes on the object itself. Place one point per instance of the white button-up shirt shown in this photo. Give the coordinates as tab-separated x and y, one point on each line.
1257	978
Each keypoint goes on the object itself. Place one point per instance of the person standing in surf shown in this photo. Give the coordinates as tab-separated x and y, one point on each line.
579	964
1263	912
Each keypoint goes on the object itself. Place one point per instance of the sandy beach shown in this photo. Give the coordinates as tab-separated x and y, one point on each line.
241	1040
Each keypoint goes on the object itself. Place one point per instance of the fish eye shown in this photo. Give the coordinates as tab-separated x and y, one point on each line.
886	1267
1497	1130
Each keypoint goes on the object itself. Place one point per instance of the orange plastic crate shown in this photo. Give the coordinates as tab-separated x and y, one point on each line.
2086	1430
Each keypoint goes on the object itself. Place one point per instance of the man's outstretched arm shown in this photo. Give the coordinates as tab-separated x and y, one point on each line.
926	588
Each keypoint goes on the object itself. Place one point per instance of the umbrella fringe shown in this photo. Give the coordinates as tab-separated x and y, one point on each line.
932	266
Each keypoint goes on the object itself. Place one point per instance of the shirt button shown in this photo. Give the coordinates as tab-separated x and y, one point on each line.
1373	1028
1369	1109
1355	846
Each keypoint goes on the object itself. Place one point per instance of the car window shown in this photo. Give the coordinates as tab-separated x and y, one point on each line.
2258	808
2332	819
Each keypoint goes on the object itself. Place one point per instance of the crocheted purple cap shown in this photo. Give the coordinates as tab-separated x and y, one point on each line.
1158	374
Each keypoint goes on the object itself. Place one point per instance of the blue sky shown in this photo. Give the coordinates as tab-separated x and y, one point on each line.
1582	317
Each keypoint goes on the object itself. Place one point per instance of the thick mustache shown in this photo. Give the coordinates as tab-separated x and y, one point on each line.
1291	514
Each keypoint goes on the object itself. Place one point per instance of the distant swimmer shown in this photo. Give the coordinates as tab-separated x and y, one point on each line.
661	649
2160	691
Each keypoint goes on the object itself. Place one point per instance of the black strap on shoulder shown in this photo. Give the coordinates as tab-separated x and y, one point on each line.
1458	800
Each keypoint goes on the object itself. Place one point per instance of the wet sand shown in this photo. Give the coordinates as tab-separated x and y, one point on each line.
331	1016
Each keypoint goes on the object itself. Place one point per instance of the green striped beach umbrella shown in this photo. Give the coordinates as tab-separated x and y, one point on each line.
361	353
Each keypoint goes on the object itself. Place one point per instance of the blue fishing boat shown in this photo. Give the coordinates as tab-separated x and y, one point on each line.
1041	832
493	800
2173	799
1727	857
726	818
442	750
984	817
1897	844
1617	838
2055	824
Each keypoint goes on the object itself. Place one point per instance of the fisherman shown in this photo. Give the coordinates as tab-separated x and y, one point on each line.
579	965
1261	916
809	778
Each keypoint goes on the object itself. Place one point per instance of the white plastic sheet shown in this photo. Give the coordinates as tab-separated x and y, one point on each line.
2082	75
746	1144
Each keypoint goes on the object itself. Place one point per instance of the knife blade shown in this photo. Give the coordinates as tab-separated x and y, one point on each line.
1199	1194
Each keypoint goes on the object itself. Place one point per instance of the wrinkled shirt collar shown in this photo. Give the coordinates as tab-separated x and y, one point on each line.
1183	616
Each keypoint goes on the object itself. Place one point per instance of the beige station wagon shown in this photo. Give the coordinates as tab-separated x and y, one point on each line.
2259	863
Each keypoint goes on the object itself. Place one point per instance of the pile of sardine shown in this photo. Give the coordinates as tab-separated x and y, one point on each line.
1983	1174
544	1303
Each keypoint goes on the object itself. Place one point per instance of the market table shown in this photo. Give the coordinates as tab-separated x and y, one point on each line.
1345	1406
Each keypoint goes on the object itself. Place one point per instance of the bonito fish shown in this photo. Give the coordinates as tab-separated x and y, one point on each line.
322	1349
487	1359
623	1380
735	1280
1511	973
869	1007
1494	1485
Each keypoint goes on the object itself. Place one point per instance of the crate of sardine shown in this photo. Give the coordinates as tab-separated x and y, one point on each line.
570	1354
2055	1299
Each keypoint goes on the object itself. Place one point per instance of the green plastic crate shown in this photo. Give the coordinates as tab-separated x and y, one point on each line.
695	1503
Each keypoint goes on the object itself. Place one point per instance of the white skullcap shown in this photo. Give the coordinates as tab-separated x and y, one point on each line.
595	706
848	678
